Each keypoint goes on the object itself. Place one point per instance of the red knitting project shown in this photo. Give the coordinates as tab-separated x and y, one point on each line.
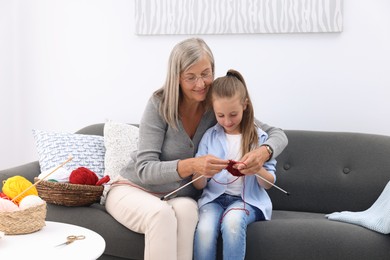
233	171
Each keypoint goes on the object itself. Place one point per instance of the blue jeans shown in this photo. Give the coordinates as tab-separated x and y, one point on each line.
225	214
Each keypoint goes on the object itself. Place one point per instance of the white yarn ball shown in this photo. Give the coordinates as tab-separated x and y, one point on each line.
60	175
30	201
7	206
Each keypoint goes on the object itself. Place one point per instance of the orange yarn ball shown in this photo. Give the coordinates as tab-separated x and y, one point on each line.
16	185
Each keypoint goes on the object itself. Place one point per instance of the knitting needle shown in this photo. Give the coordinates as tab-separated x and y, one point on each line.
185	185
274	185
35	184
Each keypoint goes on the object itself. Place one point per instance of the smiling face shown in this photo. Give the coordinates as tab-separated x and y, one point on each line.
195	82
229	111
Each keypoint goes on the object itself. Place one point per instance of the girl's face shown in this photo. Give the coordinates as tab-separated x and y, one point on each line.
228	112
196	81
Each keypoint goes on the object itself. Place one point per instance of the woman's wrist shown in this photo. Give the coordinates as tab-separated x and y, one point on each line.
185	167
269	151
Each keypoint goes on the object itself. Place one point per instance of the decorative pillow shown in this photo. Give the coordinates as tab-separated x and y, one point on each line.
120	140
54	148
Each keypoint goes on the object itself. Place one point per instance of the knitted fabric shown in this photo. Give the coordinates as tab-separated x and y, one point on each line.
376	218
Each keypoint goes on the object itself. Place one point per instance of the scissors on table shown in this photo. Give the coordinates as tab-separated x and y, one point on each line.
71	239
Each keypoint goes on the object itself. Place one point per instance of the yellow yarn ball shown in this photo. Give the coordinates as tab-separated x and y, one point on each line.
16	185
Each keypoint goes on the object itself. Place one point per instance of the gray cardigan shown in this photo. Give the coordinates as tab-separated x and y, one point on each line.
154	165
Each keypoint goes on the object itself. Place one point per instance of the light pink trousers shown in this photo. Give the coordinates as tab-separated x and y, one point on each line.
168	226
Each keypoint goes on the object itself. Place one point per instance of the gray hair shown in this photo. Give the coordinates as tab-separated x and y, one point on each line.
182	57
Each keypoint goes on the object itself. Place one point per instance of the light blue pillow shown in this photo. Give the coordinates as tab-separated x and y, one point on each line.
54	148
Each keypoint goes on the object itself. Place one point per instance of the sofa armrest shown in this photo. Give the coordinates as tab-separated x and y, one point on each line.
28	170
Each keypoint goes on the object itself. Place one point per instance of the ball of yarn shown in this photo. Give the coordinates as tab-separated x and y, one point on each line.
7	206
83	175
3	196
16	185
103	180
60	175
30	201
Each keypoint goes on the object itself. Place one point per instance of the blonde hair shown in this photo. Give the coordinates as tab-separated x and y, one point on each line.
228	86
182	57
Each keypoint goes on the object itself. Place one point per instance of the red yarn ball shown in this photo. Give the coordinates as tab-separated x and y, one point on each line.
83	175
3	196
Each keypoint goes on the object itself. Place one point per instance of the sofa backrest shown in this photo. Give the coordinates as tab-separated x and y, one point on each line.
331	171
325	171
96	129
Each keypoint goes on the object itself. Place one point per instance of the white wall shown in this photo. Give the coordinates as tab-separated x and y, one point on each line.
65	64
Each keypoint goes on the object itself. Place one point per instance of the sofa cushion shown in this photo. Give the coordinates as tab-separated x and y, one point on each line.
55	147
304	235
331	171
120	140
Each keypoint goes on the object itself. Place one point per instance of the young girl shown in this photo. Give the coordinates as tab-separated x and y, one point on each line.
230	203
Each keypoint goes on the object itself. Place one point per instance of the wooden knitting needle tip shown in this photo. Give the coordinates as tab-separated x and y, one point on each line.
185	185
35	184
274	185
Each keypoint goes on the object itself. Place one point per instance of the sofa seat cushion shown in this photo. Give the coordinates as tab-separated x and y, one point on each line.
376	218
315	237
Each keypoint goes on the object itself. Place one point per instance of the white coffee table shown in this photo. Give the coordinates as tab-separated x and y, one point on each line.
43	244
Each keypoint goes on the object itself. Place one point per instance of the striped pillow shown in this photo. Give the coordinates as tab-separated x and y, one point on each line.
54	148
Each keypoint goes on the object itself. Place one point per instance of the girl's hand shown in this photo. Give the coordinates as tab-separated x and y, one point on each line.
253	161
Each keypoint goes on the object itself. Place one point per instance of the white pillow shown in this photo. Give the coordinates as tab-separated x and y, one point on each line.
54	148
120	141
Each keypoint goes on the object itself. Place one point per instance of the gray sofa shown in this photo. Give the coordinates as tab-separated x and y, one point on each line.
325	172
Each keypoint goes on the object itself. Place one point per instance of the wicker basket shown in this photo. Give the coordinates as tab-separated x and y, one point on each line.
67	194
23	221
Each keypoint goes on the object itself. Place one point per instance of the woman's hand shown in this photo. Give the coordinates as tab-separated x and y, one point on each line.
206	165
253	161
209	165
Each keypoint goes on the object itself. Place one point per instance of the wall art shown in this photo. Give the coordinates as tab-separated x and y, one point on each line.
154	17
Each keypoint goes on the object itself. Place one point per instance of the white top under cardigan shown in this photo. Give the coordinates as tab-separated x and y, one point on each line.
233	152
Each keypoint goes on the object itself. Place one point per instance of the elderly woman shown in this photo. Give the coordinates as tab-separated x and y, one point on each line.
171	128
